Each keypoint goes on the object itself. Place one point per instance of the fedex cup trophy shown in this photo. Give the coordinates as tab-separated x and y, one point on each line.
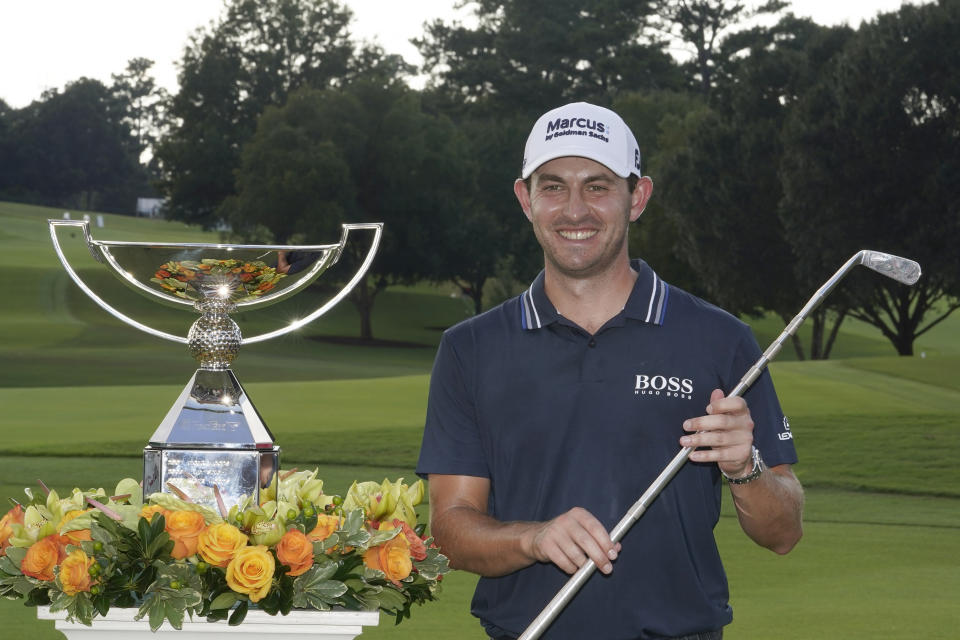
213	447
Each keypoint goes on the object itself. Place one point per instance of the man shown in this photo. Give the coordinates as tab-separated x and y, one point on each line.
550	415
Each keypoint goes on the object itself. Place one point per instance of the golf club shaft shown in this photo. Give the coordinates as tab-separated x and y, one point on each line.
578	579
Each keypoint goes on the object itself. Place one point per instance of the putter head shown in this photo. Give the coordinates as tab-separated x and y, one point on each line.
900	269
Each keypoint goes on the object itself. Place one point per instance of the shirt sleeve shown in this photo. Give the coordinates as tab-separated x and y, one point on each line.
452	442
771	429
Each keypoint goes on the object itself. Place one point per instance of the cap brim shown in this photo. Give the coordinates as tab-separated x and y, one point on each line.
555	153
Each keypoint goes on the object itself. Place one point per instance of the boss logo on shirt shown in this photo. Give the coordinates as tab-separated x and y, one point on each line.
664	386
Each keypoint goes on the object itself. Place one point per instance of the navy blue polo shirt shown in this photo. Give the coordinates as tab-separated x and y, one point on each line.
557	418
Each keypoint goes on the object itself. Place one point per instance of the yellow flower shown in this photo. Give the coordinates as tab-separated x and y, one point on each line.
75	572
219	543
251	572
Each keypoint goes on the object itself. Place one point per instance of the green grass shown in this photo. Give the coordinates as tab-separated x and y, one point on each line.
878	435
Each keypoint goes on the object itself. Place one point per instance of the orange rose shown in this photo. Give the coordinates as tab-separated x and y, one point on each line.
78	535
326	525
418	550
391	557
219	543
184	528
251	572
75	573
295	551
10	518
42	557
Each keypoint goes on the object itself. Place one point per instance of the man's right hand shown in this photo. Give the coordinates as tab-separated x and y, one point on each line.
572	537
475	541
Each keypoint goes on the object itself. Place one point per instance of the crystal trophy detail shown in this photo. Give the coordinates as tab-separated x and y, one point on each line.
213	447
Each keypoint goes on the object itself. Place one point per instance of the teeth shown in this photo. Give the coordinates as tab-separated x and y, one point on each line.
580	234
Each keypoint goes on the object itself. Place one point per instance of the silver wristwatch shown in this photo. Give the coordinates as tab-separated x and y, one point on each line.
758	467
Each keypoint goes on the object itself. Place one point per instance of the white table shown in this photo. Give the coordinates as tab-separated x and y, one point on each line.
298	625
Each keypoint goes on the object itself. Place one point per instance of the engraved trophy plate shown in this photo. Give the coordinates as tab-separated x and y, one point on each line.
213	440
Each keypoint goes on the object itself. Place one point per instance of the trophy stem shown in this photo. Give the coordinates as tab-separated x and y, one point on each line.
214	339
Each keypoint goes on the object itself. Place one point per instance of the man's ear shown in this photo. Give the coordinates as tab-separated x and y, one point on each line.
523	196
640	197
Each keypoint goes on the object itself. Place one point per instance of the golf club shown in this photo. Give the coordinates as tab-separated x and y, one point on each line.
900	269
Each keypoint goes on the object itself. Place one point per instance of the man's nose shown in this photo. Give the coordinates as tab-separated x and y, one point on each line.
576	205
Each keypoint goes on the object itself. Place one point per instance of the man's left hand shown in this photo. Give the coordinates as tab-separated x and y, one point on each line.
724	435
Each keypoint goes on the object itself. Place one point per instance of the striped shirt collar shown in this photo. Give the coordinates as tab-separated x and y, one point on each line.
647	301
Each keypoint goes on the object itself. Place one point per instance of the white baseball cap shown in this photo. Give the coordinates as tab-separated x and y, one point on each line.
584	130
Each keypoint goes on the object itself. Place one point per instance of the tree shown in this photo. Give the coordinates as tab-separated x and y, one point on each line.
8	164
664	123
71	148
254	57
722	184
709	28
871	161
494	79
526	55
142	103
364	152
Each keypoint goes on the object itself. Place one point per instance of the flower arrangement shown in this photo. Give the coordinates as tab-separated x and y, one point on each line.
300	548
246	280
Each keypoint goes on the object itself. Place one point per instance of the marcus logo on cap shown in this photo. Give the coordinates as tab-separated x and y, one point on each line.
584	130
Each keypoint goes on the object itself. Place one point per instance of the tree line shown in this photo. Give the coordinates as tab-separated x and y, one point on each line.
778	146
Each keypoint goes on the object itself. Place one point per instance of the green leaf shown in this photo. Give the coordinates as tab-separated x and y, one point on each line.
320	547
239	614
8	567
156	546
382	536
225	600
157	612
61	602
391	599
19	584
143	530
15	555
315	590
174	614
131	486
315	573
353	522
102	604
82	608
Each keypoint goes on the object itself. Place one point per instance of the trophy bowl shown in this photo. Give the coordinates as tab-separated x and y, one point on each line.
213	447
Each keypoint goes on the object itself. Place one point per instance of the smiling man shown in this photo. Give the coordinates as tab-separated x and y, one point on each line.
549	415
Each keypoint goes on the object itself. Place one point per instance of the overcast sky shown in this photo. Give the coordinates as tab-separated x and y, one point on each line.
47	43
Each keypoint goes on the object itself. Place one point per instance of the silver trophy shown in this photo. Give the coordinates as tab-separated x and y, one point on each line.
213	448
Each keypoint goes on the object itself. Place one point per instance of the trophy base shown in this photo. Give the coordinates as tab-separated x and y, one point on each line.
192	473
